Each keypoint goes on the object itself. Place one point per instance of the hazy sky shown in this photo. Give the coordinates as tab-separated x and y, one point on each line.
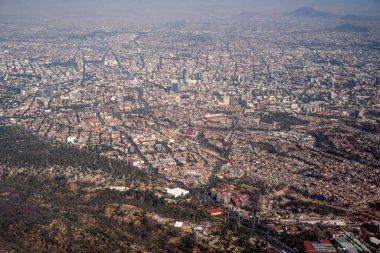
168	10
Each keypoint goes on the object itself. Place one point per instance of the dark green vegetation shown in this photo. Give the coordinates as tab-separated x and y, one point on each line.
304	233
232	234
42	212
324	143
58	211
283	119
50	215
375	205
21	149
295	205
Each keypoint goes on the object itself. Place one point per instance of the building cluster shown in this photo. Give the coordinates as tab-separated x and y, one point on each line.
282	110
341	241
227	193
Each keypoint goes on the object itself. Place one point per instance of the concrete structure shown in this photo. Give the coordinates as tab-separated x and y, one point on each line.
177	192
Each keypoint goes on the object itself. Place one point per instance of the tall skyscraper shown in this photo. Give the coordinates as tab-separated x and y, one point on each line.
160	62
175	87
21	86
247	98
377	82
206	61
184	75
50	91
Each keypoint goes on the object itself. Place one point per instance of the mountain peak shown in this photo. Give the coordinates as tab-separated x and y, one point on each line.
310	12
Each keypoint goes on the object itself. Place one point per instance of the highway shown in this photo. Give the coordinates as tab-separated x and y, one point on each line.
225	153
261	231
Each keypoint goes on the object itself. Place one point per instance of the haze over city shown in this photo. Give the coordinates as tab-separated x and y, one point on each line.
190	126
146	11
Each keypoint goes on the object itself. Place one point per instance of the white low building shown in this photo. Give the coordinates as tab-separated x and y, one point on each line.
178	224
118	188
71	139
177	192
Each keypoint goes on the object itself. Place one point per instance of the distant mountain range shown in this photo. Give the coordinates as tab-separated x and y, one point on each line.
176	24
313	13
310	12
248	14
352	17
350	28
